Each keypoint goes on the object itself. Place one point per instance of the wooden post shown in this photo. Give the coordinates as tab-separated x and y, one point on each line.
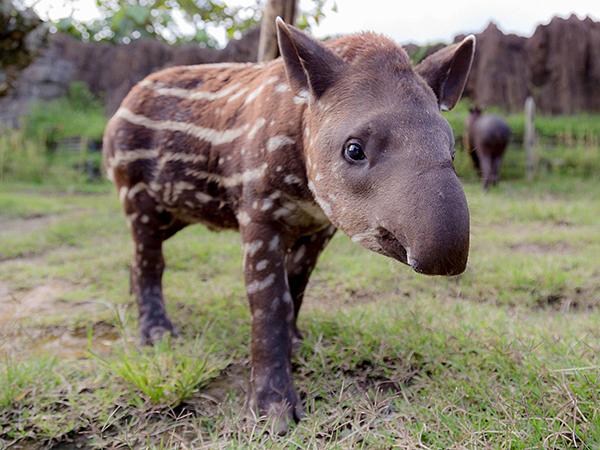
267	43
529	140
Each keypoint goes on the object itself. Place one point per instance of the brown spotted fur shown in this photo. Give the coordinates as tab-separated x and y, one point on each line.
252	158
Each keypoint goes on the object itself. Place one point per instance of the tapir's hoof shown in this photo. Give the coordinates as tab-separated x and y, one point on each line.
281	415
151	334
279	412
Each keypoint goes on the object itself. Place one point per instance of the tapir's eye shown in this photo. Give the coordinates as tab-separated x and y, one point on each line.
353	151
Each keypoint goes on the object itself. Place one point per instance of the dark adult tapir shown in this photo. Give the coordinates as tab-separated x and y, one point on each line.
487	138
343	135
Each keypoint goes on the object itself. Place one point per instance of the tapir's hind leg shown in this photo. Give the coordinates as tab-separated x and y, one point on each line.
496	163
486	170
299	264
150	226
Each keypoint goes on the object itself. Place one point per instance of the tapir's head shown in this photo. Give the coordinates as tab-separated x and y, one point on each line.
378	151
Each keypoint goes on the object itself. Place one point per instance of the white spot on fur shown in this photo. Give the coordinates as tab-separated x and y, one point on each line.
202	197
260	285
274	243
122	193
266	205
282	87
243	218
145	219
260	122
262	264
301	98
292	179
253	247
299	254
280	212
287	298
278	141
110	174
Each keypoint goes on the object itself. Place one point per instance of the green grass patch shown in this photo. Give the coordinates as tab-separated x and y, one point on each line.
165	374
503	356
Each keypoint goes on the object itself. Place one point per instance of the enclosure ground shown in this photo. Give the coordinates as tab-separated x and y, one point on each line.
506	355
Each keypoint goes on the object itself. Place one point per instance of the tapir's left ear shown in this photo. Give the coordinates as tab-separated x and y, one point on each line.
447	70
308	63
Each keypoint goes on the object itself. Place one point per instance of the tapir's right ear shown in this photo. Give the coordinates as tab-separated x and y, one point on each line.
308	63
446	71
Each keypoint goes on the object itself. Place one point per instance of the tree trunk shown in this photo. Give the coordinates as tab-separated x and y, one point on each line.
267	44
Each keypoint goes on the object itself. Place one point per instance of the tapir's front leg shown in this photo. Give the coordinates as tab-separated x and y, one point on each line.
300	263
272	390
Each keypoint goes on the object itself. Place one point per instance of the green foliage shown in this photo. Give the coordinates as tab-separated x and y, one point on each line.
18	379
78	114
26	159
421	52
576	129
163	375
21	158
174	21
58	143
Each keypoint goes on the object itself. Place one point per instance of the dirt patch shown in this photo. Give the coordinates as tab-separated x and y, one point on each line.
74	344
575	300
542	247
233	378
18	337
43	299
27	224
323	294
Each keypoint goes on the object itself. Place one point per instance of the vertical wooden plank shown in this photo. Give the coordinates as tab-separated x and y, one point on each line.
530	137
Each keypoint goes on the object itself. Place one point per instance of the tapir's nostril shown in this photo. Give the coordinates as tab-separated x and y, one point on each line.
392	246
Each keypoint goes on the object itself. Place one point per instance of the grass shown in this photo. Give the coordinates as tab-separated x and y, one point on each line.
504	356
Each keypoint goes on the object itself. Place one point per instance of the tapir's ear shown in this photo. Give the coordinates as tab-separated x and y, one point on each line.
447	70
308	63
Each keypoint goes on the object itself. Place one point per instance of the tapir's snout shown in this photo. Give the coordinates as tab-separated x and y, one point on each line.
429	230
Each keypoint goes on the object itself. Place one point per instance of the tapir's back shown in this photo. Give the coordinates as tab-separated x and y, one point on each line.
192	135
492	133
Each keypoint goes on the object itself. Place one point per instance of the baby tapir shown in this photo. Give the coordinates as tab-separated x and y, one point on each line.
487	139
343	135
